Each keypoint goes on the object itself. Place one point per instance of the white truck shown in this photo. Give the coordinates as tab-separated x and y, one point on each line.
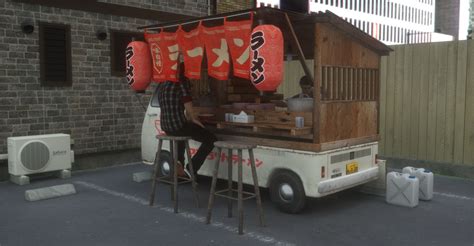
290	175
338	149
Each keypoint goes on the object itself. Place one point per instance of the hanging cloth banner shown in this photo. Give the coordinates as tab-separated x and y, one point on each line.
164	52
237	34
192	48
216	52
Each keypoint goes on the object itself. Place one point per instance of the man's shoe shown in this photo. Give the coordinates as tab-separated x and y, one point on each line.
181	172
187	172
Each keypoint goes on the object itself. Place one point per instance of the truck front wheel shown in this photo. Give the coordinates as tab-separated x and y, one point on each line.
165	167
287	192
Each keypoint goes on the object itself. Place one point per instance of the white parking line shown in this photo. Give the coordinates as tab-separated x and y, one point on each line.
450	195
253	235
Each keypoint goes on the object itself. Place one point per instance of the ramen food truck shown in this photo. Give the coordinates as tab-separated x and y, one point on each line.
240	65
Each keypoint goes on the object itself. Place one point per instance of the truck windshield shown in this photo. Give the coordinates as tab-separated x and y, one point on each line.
154	100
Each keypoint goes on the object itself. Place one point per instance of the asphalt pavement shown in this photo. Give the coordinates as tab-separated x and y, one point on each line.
110	209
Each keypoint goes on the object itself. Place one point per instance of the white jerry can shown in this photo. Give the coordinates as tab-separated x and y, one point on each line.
426	181
402	189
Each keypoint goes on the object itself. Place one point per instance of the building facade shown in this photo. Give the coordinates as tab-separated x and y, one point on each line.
390	21
471	19
62	69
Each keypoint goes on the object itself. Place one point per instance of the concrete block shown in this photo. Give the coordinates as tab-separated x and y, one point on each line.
50	192
142	176
20	180
64	174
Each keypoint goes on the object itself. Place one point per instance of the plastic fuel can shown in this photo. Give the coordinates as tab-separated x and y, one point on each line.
402	189
426	181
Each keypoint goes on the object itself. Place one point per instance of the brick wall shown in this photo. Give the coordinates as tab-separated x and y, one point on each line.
190	7
224	6
99	110
447	17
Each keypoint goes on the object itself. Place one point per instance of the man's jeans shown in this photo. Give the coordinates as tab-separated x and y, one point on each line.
199	134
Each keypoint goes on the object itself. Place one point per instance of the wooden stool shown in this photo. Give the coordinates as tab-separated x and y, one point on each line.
239	146
174	182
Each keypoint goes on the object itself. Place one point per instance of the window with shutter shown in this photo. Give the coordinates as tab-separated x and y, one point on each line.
55	54
118	43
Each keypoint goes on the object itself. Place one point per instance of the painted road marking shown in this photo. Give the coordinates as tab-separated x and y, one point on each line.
253	235
450	195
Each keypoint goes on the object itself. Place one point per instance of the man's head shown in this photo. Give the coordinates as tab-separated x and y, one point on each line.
306	85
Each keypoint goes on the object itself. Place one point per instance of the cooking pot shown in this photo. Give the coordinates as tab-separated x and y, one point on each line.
300	104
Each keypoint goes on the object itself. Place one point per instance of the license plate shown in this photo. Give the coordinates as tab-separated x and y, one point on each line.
352	167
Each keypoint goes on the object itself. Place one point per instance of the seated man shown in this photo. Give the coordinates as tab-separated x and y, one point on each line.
178	119
306	91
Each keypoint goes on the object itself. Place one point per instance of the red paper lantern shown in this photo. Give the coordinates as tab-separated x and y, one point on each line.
138	65
266	69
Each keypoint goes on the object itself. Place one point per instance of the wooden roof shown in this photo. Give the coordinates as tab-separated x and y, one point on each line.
303	25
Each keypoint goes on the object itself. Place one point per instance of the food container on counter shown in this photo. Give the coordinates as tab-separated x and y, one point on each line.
300	104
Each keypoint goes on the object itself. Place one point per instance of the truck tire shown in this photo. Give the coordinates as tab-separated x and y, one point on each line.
287	192
164	167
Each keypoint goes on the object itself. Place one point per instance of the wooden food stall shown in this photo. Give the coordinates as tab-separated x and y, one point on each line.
346	84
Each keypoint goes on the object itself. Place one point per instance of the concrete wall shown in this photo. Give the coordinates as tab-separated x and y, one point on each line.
99	110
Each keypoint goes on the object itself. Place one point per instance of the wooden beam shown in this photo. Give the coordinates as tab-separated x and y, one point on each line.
291	145
109	9
297	46
348	142
317	85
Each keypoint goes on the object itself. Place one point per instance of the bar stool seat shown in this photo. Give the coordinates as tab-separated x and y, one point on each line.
230	146
175	181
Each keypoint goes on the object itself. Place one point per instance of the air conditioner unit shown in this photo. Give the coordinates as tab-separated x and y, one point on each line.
37	154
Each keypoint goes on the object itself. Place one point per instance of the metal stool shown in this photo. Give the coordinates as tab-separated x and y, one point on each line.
239	146
174	182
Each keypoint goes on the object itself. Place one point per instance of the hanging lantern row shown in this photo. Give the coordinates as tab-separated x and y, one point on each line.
257	55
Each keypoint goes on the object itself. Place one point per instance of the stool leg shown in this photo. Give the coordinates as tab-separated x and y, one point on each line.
155	173
213	187
175	176
239	200
193	178
229	183
171	174
257	188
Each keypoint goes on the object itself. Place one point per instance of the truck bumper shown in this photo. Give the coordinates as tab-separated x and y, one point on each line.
337	184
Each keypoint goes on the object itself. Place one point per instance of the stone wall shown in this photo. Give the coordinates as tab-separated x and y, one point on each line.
99	110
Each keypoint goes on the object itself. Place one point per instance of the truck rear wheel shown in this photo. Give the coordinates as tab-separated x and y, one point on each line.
287	192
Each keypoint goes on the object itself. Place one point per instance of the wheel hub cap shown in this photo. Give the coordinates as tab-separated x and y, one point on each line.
165	168
286	192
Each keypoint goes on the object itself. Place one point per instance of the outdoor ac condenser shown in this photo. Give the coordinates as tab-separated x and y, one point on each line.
40	153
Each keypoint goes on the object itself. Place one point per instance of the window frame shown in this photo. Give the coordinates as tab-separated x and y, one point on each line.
114	71
42	45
